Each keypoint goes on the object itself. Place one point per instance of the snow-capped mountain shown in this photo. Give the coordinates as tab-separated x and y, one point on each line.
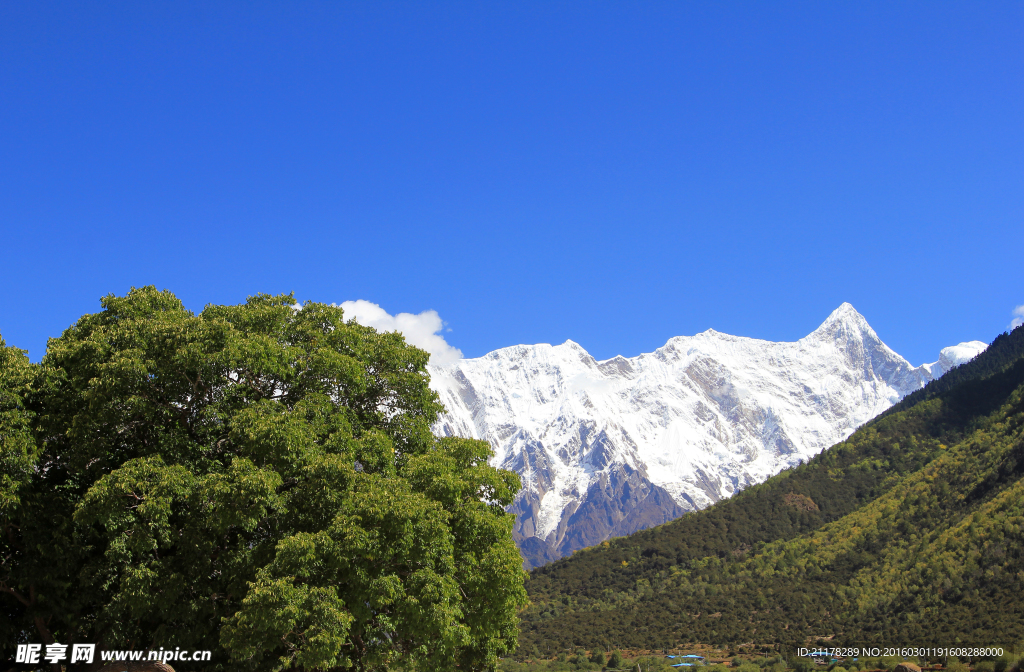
607	448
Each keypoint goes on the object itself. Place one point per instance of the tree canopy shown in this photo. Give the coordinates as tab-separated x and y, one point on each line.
260	480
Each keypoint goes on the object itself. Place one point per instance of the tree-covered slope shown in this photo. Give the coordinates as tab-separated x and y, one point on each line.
908	532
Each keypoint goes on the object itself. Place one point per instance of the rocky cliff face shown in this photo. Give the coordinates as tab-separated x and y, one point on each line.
606	448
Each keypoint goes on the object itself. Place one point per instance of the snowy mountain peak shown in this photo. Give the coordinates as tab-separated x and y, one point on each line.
607	448
846	321
953	356
846	311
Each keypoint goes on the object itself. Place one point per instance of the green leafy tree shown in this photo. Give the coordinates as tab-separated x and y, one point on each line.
953	664
17	457
258	479
1007	661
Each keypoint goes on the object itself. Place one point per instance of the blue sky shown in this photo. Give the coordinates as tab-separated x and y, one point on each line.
613	173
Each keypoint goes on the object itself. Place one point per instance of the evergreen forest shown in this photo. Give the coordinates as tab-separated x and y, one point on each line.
909	533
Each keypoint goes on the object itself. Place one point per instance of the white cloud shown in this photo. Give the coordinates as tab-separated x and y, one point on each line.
1018	318
420	330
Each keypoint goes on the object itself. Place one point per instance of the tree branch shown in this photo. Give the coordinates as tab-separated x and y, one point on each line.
20	598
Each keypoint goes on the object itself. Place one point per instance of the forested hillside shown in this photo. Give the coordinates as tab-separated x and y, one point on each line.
909	532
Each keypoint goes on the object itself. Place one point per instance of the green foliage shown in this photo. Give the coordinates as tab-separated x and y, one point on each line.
17	448
18	456
561	664
953	664
259	480
917	534
652	664
978	383
1007	661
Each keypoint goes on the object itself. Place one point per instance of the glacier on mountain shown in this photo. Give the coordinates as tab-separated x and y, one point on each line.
605	448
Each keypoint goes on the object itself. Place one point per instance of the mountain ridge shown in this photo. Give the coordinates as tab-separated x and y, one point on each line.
909	530
607	447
